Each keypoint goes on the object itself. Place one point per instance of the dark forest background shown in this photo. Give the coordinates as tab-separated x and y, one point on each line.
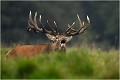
104	16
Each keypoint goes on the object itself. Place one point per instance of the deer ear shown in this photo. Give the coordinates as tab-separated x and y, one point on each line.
68	38
51	37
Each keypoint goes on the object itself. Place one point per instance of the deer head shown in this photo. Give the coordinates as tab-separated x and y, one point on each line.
58	40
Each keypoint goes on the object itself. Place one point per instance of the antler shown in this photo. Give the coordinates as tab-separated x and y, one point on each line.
56	28
33	25
71	32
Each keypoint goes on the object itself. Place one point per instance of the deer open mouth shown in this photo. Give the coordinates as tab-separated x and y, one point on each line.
63	41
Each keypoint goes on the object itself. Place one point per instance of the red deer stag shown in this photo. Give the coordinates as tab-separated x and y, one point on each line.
58	40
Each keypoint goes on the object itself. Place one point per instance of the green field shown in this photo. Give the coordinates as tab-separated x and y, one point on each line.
77	63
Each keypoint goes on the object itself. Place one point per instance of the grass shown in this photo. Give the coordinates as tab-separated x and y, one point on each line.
77	63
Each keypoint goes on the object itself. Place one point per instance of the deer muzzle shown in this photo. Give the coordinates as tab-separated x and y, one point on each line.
62	44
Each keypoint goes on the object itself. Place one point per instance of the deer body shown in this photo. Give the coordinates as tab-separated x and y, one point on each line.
32	50
27	50
58	40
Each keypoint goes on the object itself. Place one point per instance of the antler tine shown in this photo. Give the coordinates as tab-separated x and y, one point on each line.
35	18
41	23
44	30
87	25
83	23
56	28
88	20
70	27
30	20
33	24
51	27
30	17
79	21
81	26
82	29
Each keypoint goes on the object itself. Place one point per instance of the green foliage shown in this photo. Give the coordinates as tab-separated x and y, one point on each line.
83	63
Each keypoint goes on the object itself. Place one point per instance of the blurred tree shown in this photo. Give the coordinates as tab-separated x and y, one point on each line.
104	16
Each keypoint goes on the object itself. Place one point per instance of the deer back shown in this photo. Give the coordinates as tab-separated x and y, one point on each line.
27	50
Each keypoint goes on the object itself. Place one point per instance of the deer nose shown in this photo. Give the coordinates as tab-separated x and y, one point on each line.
62	45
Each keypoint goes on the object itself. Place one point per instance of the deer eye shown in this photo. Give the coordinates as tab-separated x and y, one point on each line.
56	37
63	41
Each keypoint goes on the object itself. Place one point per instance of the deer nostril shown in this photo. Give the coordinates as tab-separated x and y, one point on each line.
63	41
